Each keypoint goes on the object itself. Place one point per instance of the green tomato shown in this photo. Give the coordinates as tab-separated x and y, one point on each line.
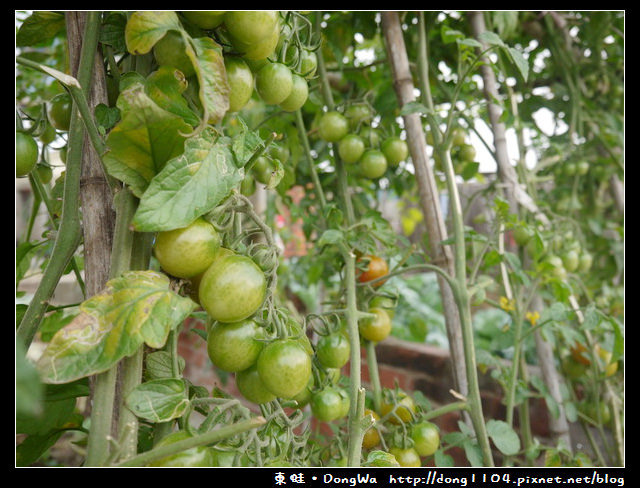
459	137
233	288
233	347
240	79
350	148
274	83
377	328
205	19
59	111
395	150
308	63
298	96
426	438
187	251
332	126
26	153
357	114
329	403
201	456
372	164
571	260
467	153
251	386
171	51
333	350
284	367
44	172
407	457
251	26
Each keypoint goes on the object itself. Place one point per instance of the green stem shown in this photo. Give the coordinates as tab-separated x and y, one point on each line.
207	438
102	411
374	375
69	234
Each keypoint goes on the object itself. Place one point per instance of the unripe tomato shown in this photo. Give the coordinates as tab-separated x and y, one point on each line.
375	329
284	367
358	114
59	111
233	347
333	350
251	26
205	19
201	456
350	148
274	83
371	436
171	51
232	289
187	251
407	457
403	409
332	126
308	63
426	438
395	150
298	96
467	153
240	79
251	386
329	403
26	153
372	164
459	137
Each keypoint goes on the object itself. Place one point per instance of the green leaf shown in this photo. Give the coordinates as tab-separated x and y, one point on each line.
159	365
381	459
112	31
470	170
451	35
190	185
520	62
414	107
159	400
330	236
504	437
144	140
39	27
135	309
144	29
491	38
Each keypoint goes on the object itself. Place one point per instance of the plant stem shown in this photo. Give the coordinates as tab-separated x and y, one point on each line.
207	438
69	233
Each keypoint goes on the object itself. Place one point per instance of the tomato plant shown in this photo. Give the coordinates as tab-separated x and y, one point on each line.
244	190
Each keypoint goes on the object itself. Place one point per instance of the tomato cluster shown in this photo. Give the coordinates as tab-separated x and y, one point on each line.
359	145
400	427
252	40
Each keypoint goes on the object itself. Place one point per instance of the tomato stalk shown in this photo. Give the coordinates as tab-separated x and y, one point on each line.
357	394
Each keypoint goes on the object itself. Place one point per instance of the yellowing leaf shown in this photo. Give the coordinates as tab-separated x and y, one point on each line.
137	308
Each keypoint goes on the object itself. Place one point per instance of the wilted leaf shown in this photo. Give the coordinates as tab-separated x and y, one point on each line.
144	29
190	185
212	76
144	140
136	308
